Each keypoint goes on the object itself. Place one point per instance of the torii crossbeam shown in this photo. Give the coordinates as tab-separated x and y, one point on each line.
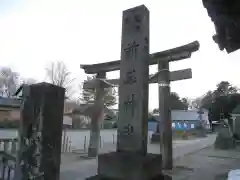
162	77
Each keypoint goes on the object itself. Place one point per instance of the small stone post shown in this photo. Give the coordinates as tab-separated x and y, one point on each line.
40	133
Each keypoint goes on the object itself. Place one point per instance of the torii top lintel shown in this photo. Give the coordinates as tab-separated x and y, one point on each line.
175	54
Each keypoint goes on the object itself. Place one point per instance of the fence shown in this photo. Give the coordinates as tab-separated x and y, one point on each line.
66	143
8	150
7	166
10	146
84	145
103	142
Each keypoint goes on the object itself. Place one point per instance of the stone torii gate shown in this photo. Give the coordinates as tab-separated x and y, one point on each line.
162	77
171	55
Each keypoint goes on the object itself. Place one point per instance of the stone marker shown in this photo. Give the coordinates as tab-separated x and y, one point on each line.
133	89
40	132
224	139
131	161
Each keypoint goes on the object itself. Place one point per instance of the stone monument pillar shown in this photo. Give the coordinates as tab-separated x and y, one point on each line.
133	89
40	133
131	161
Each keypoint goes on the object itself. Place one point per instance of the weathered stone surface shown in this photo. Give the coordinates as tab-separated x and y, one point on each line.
224	140
52	122
129	165
40	132
133	89
131	161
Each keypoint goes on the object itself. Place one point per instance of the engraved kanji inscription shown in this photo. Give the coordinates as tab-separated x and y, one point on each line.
126	20
138	21
129	104
137	18
130	77
128	130
146	43
133	23
131	50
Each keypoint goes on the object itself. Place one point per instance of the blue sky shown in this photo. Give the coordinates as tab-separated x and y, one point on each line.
34	33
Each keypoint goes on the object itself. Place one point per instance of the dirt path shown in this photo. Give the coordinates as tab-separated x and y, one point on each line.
75	167
206	164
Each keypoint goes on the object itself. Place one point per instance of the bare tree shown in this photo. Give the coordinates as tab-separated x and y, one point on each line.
58	74
9	81
29	81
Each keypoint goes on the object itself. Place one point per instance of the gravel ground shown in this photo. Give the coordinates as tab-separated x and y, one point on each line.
75	167
206	164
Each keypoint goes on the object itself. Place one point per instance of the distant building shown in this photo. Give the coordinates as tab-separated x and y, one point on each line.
9	115
75	115
10	111
236	120
183	119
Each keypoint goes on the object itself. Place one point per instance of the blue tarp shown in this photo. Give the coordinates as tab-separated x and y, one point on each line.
152	126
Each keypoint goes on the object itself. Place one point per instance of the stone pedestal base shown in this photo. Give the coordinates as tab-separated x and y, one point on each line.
155	138
129	166
92	152
225	143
